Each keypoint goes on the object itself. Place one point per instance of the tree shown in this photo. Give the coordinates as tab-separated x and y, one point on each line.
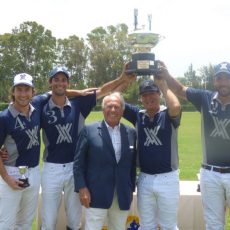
108	49
8	61
207	73
30	48
192	79
131	94
35	48
72	53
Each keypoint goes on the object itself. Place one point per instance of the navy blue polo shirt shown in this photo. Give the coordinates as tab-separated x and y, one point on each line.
157	139
21	134
215	126
61	127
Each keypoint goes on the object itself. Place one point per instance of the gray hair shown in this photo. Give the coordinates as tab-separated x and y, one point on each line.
117	95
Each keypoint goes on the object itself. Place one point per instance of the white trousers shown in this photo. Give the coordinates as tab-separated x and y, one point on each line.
158	200
57	180
96	217
18	207
215	191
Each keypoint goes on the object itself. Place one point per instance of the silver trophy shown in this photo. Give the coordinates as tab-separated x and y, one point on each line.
143	60
23	170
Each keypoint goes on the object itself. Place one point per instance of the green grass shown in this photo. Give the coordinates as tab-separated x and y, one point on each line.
189	146
189	140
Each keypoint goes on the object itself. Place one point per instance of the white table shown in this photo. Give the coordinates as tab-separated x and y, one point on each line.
190	215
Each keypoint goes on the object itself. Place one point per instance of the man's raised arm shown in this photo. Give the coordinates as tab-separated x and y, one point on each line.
118	84
173	84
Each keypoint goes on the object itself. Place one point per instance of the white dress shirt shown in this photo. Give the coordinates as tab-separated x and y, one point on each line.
115	136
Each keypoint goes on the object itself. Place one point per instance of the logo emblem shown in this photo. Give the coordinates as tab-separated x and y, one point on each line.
220	128
33	136
223	66
64	133
152	138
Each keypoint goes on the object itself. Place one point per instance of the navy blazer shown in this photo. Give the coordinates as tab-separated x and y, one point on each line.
95	165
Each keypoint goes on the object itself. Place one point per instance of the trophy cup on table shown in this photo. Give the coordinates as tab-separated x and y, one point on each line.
143	60
23	170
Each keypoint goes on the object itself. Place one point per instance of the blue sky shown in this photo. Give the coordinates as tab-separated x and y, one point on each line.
196	31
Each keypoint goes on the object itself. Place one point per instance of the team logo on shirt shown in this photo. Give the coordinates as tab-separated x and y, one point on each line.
64	133
151	136
33	136
220	128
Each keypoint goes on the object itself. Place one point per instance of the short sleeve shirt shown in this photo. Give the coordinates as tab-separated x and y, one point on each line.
215	126
61	127
21	135
157	139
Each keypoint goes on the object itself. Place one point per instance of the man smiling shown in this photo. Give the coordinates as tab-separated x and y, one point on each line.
20	134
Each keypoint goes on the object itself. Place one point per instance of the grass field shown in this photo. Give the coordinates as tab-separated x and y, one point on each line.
189	140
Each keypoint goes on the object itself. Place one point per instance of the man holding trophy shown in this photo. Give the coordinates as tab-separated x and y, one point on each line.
157	126
20	174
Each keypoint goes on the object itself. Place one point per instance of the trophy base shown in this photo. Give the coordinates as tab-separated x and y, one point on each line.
143	64
25	183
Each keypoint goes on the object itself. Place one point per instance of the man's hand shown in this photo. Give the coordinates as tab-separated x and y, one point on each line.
79	92
85	92
125	80
13	183
85	197
163	71
4	154
127	77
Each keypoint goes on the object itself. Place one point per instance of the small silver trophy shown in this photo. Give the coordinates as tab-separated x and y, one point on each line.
143	61
23	170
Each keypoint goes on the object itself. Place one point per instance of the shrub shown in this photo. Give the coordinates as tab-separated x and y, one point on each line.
3	105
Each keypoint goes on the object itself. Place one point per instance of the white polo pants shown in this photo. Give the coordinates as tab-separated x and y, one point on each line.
215	192
158	200
96	217
18	207
57	179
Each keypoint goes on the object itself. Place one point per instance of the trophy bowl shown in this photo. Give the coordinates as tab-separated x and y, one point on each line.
143	60
23	171
142	39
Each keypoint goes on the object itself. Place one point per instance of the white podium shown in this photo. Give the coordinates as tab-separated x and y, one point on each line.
190	214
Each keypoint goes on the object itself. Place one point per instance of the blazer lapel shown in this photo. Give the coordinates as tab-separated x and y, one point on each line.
124	140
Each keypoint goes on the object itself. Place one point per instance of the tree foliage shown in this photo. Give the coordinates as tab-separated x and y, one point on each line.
72	53
30	48
108	49
207	73
92	61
